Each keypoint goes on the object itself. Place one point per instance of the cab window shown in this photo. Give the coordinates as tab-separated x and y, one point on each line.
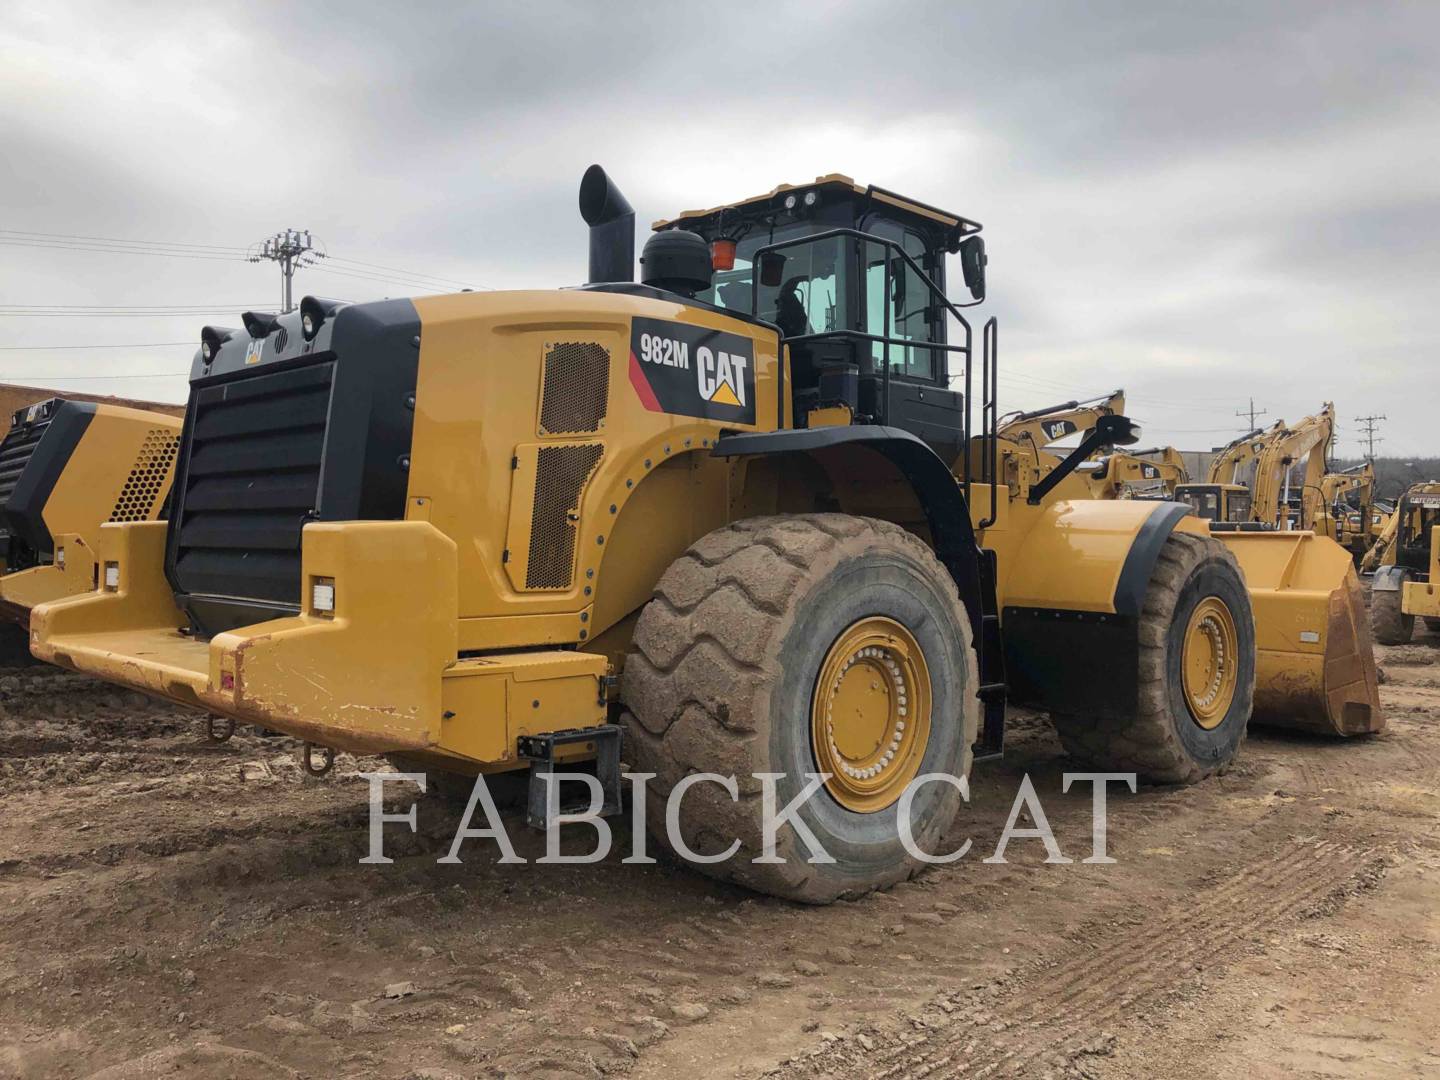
910	305
1205	504
811	296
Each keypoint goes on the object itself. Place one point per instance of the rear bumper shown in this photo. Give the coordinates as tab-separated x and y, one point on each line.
379	675
72	574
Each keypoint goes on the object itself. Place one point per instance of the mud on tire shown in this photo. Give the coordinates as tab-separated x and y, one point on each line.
721	675
1388	623
1162	742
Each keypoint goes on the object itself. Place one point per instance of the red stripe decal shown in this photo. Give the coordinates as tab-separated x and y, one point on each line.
642	385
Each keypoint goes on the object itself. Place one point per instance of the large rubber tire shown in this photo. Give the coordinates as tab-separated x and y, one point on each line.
1388	623
1162	743
721	676
1433	625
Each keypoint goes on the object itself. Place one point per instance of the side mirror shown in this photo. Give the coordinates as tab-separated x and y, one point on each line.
772	269
972	265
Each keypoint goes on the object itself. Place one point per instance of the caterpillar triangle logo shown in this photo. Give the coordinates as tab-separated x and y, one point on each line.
724	395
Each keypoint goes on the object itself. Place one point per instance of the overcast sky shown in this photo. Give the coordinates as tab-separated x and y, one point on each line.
1197	202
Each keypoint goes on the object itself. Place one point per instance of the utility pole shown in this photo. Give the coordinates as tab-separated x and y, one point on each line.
1252	413
1371	424
291	249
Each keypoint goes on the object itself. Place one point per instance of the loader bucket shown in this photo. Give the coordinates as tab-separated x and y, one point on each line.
1315	661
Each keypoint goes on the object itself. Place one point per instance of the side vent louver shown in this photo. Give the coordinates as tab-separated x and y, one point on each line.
560	476
146	484
575	393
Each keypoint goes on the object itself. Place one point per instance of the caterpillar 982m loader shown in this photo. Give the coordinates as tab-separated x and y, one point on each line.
66	468
736	507
1407	575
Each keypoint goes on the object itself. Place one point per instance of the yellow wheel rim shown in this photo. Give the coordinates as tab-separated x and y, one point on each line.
870	714
1210	662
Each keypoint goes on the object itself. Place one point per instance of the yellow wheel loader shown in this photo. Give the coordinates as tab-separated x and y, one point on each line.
1299	578
744	510
1407	581
66	468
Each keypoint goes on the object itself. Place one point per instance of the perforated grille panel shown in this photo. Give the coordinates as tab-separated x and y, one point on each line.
145	486
560	476
576	391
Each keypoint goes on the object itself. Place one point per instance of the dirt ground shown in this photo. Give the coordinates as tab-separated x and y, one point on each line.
174	907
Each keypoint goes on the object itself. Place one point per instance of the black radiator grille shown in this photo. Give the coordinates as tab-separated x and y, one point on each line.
252	479
15	453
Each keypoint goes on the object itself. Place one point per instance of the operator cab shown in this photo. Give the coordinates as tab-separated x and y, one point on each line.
1419	514
854	277
1222	503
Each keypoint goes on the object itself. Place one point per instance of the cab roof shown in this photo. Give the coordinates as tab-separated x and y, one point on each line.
833	183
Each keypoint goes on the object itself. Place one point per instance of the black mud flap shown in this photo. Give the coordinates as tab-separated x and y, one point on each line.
540	751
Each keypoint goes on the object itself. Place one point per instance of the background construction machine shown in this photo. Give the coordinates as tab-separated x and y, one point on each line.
1137	474
1273	477
1407	577
743	507
1347	500
67	467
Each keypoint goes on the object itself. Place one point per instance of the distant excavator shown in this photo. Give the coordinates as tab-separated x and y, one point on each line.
1347	499
1252	480
1137	474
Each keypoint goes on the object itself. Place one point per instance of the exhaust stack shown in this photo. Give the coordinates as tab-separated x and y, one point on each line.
612	228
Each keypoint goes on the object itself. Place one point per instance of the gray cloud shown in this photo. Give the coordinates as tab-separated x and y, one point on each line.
1197	202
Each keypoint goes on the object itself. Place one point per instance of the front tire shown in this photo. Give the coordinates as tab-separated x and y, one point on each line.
817	643
1196	673
1389	624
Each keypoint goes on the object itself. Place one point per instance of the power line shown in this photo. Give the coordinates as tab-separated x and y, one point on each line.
403	273
304	256
118	240
92	378
135	345
213	306
101	249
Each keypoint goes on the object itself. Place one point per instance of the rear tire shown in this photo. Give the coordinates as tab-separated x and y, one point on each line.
1433	625
1388	623
725	676
1170	739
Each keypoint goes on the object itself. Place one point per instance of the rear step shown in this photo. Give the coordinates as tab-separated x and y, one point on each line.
540	751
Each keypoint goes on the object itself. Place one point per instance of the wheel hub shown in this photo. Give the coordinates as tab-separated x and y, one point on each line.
1210	662
870	714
